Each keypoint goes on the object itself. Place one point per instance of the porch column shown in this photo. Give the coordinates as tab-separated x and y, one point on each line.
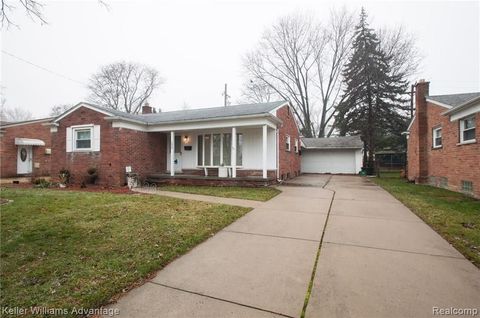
234	152
172	153
264	148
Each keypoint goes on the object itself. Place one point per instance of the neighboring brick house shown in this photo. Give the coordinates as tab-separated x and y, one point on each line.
444	141
249	144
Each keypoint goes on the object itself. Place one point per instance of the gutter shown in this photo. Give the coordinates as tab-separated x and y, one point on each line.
148	124
26	122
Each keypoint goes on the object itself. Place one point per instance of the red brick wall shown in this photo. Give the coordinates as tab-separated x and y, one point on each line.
145	152
446	166
289	161
8	149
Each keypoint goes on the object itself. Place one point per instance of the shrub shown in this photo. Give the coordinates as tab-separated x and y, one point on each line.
64	176
41	183
92	175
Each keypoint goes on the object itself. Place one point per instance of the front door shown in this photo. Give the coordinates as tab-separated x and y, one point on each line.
178	154
24	160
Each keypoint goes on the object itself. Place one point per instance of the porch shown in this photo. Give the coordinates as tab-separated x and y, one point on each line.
242	155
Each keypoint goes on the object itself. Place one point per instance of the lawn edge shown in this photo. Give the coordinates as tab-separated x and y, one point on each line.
432	226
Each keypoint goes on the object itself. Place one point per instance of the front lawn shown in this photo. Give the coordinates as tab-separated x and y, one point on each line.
257	194
453	215
65	249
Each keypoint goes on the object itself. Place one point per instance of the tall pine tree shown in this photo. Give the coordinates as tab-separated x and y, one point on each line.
374	104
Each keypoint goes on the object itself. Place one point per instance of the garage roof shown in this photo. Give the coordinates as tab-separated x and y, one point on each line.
346	142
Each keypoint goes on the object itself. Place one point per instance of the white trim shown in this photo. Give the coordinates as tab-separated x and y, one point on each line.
288	142
172	153
411	122
207	124
468	103
462	129
464	112
77	128
29	142
81	104
264	151
434	137
233	159
438	103
26	122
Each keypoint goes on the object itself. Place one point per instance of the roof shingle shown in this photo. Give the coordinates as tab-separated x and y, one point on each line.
346	142
197	114
454	100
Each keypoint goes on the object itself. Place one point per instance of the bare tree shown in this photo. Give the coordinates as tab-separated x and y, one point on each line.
401	47
59	109
334	45
257	92
285	61
33	9
15	114
301	61
124	86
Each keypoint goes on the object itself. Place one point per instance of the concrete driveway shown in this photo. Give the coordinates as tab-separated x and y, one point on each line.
375	259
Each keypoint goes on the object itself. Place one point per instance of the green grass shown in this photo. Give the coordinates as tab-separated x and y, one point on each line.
78	249
257	194
455	216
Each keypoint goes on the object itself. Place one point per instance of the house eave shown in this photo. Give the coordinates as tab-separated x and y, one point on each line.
269	116
26	122
459	108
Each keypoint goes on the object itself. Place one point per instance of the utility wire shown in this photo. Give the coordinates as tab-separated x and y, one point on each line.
43	68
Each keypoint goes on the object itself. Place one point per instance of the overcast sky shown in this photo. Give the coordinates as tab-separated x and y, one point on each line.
197	46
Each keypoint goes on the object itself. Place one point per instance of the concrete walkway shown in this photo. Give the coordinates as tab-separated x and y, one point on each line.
377	259
200	197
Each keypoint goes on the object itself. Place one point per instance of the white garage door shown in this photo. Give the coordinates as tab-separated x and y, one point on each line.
328	161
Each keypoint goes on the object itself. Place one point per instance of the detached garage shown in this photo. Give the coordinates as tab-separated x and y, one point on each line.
332	155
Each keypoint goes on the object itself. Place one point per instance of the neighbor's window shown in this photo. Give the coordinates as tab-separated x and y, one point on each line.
287	145
83	138
437	137
467	129
296	145
467	186
216	149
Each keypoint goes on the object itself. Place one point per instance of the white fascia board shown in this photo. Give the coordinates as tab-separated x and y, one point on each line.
411	123
227	123
467	104
81	104
438	103
26	122
257	120
467	111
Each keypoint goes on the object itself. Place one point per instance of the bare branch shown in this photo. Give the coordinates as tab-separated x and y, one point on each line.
124	86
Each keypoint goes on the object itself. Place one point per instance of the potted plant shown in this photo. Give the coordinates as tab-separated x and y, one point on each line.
64	177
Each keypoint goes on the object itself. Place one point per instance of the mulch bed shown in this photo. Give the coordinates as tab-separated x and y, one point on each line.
88	188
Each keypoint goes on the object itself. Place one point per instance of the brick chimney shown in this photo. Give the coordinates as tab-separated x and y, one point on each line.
421	114
147	109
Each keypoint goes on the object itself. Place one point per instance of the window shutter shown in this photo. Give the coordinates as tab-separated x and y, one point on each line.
96	138
69	142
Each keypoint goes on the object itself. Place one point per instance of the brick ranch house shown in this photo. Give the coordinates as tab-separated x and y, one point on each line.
443	146
243	144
